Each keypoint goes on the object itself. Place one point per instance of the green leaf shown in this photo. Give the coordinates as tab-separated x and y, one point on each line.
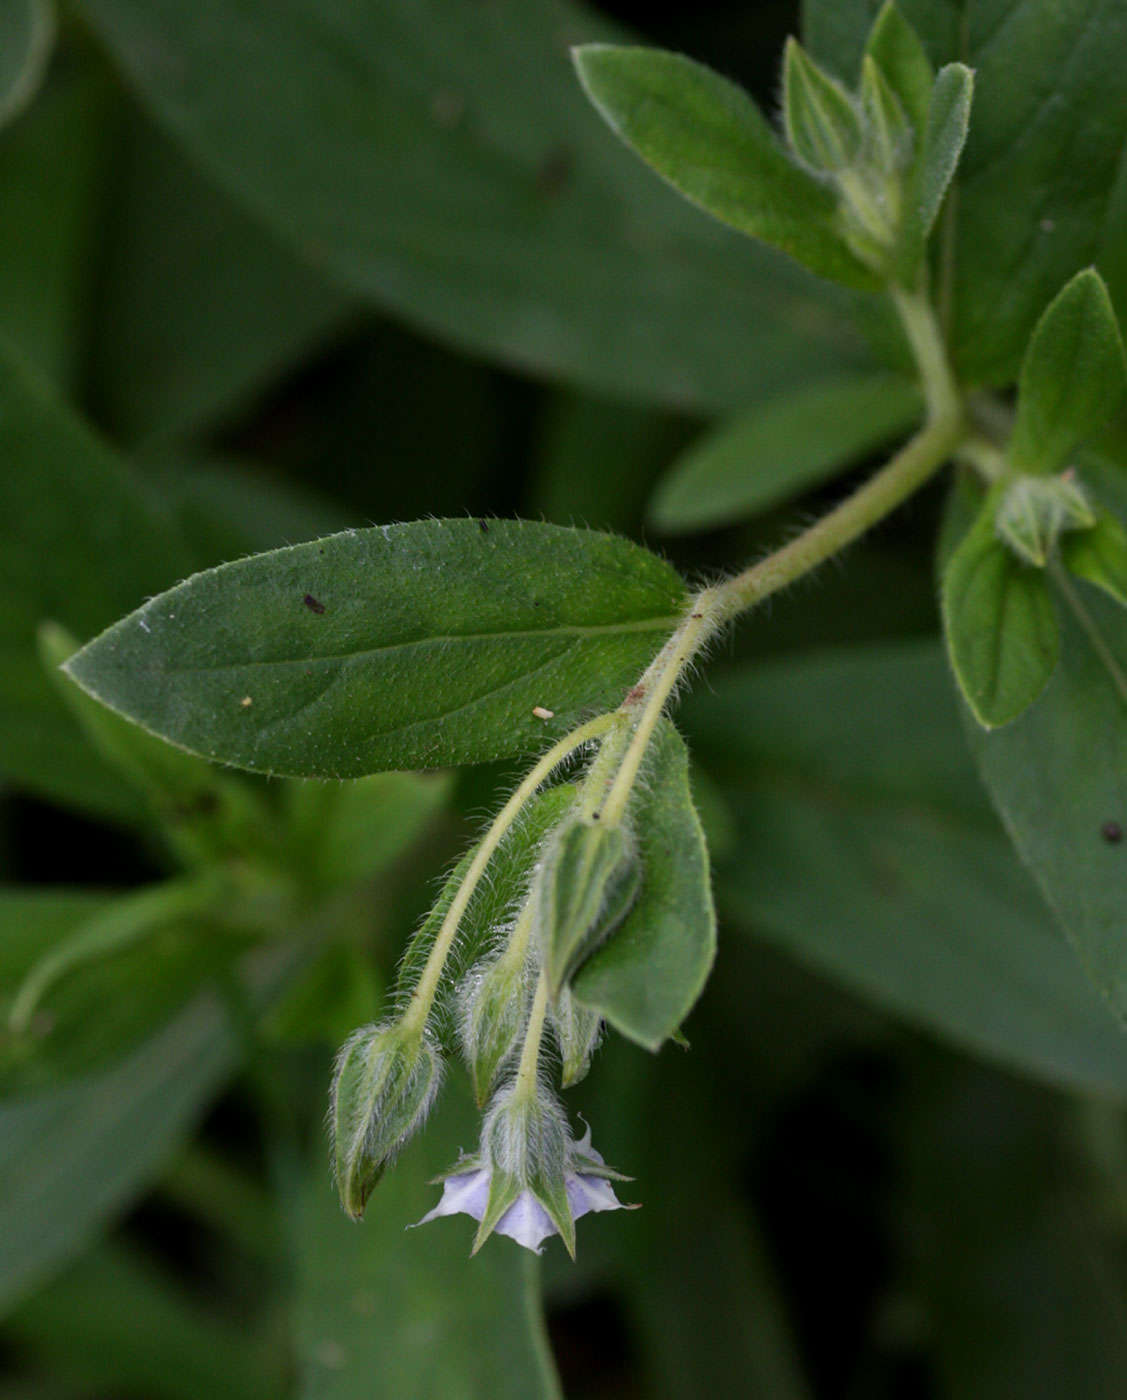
941	146
27	36
75	1156
206	814
1039	190
1059	779
1073	376
452	171
121	1323
227	506
709	140
1013	1251
79	997
383	1312
692	1263
80	543
1099	555
1057	775
821	120
784	445
52	170
353	831
865	849
405	646
888	132
1000	624
894	46
645	979
596	460
200	307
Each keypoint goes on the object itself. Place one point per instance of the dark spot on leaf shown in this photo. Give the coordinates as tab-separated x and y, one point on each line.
313	605
1112	833
483	526
555	170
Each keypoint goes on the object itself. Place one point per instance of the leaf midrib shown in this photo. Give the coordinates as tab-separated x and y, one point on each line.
603	629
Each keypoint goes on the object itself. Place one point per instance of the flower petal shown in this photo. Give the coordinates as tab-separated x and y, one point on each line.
591	1193
468	1192
527	1222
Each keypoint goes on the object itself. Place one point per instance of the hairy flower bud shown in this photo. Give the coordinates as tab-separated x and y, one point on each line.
589	881
577	1033
492	1008
1036	510
530	1178
823	126
385	1082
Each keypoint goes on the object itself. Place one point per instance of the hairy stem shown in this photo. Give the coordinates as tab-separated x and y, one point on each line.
941	393
711	608
900	478
517	946
418	1009
644	704
530	1052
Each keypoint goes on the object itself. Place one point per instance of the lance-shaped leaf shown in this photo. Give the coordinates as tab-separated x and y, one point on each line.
81	542
126	922
710	141
822	121
450	169
782	447
205	812
1099	555
894	46
888	132
1058	776
864	848
75	1156
1039	189
1072	378
1000	624
647	975
406	646
940	146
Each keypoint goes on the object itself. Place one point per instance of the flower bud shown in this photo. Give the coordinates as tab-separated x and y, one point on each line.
385	1082
524	1138
577	1033
1036	510
492	1008
589	881
822	124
